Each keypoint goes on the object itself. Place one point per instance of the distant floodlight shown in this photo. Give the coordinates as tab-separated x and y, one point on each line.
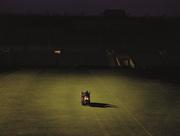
57	51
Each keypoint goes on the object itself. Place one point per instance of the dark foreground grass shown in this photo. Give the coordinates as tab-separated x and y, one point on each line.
47	103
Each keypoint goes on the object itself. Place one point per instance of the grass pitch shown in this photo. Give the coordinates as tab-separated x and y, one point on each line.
47	103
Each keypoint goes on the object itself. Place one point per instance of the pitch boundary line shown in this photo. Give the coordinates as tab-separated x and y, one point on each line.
135	119
126	110
102	126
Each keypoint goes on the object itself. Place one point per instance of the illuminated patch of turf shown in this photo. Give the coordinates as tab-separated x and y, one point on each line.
47	103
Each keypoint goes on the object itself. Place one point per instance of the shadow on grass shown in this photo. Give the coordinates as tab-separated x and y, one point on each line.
102	105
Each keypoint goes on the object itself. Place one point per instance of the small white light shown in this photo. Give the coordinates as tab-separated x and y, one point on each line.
57	52
86	98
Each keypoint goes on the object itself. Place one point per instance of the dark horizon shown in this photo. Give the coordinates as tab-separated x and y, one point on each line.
88	8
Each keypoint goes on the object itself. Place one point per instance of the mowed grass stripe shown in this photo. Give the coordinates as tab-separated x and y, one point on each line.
14	99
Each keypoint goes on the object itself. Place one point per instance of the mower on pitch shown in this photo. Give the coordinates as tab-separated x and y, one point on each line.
85	98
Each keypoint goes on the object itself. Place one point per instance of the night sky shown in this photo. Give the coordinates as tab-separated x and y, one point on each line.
91	7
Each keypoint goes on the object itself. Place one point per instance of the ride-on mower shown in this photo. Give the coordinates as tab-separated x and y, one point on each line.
85	98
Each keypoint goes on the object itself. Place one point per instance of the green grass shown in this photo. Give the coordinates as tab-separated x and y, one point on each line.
47	103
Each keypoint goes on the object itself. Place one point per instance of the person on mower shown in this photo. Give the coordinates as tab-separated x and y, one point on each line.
85	98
